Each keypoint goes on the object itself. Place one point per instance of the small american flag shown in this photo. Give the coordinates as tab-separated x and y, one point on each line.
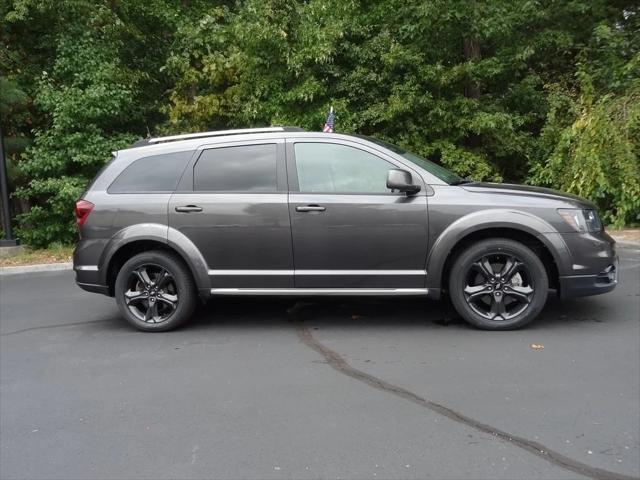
328	125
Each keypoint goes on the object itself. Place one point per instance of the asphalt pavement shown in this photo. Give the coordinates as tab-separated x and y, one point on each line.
333	388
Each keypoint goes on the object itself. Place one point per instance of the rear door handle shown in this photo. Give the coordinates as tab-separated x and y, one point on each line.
311	208
188	209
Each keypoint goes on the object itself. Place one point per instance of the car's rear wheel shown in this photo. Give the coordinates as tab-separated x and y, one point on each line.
498	284
155	291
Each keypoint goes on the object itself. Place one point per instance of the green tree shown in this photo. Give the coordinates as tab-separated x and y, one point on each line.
461	82
544	91
101	91
590	143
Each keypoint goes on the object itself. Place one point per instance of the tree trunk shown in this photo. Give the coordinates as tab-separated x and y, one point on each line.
471	51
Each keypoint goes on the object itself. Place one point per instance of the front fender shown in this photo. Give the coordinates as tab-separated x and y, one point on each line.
490	219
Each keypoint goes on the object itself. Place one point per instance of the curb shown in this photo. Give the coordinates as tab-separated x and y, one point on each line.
44	267
624	242
627	244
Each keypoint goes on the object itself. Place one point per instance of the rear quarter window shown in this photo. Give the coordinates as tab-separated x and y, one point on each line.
155	173
243	168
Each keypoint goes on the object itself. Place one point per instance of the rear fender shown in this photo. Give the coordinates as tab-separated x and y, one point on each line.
161	234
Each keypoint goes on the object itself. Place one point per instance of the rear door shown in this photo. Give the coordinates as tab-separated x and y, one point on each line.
232	204
349	230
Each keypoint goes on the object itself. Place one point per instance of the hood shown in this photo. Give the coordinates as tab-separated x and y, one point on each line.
526	190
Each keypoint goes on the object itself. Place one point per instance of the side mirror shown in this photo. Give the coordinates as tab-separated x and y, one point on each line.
401	180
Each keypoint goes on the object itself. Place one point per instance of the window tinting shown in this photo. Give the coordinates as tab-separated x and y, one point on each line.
330	167
247	168
157	173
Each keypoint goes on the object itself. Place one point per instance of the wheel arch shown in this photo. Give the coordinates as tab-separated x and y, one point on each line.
519	226
132	241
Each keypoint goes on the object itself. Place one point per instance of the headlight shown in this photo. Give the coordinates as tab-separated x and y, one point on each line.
581	220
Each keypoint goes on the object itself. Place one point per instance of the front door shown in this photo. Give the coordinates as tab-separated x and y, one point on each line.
232	204
348	229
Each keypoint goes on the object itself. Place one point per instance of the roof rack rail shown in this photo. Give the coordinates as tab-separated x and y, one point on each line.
216	133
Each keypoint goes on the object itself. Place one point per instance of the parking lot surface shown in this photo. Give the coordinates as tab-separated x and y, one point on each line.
307	388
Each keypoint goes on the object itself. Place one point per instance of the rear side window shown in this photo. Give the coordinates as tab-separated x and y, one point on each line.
246	168
157	173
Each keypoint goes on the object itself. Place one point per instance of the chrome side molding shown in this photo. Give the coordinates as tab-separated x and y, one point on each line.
322	291
316	272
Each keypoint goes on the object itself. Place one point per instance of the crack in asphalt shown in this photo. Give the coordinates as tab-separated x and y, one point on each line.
43	327
338	363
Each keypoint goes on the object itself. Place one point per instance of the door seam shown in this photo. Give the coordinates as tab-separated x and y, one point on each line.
286	172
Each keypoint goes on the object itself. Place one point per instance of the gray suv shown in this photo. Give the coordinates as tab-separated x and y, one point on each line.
281	211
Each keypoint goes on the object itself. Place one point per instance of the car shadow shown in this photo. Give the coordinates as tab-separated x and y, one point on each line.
252	312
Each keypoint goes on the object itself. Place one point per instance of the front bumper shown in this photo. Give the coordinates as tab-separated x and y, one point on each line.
591	267
587	262
585	285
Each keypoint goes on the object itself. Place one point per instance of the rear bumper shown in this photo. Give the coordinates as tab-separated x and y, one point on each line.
92	287
585	285
88	278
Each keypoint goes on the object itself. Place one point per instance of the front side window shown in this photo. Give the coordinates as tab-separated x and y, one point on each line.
334	168
156	173
439	171
246	168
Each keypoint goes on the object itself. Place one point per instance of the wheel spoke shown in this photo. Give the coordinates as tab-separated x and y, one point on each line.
169	299
484	266
510	268
521	293
497	308
152	312
142	274
162	278
133	296
474	292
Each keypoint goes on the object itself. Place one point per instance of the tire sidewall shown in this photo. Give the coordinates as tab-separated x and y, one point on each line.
470	255
184	289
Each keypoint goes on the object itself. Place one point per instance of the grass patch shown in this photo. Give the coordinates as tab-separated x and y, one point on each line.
53	254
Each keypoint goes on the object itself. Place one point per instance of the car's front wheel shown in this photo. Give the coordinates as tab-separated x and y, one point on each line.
155	291
498	284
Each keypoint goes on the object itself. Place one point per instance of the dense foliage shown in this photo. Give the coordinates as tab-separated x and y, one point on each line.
545	92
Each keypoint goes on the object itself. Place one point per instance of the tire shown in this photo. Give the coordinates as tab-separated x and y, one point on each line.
155	291
498	284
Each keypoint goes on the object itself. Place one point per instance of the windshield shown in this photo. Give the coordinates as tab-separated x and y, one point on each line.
431	167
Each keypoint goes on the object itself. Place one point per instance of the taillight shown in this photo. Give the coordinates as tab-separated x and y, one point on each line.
83	209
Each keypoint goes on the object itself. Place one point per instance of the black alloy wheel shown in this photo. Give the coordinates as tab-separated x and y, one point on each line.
498	284
152	294
155	291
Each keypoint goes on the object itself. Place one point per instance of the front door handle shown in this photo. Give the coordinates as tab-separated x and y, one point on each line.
311	208
188	209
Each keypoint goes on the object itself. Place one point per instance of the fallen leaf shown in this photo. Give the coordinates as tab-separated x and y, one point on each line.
537	346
